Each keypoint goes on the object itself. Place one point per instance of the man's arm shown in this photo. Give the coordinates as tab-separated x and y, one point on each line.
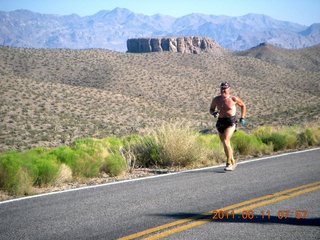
242	106
213	106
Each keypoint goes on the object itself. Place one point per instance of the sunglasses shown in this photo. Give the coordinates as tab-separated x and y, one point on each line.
225	85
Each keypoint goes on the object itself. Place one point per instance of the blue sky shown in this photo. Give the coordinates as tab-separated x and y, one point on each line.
304	12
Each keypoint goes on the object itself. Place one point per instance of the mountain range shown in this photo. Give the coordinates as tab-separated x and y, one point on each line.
110	29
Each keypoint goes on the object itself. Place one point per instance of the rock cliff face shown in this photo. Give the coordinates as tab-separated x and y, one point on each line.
190	44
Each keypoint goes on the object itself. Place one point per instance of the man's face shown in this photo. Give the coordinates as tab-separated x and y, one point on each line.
225	91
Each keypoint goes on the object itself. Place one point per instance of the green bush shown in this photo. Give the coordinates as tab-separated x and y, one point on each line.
85	157
41	166
47	170
246	144
279	140
263	132
114	164
89	157
65	155
86	165
169	145
212	147
82	163
316	134
290	134
144	151
113	144
10	170
22	170
307	138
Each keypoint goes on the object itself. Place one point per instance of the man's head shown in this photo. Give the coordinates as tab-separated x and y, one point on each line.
225	89
225	85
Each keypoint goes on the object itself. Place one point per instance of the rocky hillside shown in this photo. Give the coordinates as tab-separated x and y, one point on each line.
111	30
304	59
51	97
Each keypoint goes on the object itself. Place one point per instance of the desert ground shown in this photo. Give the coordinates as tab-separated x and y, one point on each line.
50	97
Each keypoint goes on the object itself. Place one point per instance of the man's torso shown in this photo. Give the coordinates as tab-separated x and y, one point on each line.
226	106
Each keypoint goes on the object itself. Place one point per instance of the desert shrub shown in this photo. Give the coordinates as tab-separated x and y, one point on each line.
90	157
24	186
65	155
288	137
10	170
132	138
175	145
64	175
138	151
212	148
279	140
85	157
47	170
113	143
41	165
94	147
84	165
114	164
316	133
307	138
246	144
263	133
22	170
146	152
290	133
169	145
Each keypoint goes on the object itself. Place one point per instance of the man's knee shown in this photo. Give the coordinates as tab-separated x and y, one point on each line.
226	142
228	145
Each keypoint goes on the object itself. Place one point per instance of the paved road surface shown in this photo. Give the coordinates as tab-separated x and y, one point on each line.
263	199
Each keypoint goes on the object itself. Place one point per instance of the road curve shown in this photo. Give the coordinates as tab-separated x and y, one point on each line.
264	199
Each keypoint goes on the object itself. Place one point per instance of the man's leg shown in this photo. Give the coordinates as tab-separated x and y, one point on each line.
225	139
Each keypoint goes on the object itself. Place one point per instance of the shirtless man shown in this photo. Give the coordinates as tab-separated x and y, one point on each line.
226	124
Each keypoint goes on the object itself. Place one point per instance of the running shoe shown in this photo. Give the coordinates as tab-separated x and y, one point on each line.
234	166
228	168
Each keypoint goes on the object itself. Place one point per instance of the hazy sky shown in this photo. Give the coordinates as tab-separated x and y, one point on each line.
304	12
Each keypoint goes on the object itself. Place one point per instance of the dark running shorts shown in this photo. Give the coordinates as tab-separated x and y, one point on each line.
224	123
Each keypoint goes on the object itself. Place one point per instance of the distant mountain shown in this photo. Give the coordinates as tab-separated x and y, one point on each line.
304	59
111	29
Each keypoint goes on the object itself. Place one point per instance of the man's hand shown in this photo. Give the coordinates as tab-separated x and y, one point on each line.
215	114
242	121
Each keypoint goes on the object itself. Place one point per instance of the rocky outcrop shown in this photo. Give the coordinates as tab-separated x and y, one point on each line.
192	44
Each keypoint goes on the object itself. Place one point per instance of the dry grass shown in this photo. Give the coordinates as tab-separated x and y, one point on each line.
64	175
52	97
177	146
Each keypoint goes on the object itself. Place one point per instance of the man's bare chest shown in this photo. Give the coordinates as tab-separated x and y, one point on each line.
226	103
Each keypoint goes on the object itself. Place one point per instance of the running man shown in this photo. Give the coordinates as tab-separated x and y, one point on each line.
227	123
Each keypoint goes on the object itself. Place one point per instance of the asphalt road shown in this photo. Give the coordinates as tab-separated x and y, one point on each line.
264	199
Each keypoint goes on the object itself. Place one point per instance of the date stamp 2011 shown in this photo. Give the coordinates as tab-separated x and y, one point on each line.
250	214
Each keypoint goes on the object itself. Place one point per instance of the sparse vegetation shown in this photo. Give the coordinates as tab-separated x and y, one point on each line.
169	146
68	115
51	97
